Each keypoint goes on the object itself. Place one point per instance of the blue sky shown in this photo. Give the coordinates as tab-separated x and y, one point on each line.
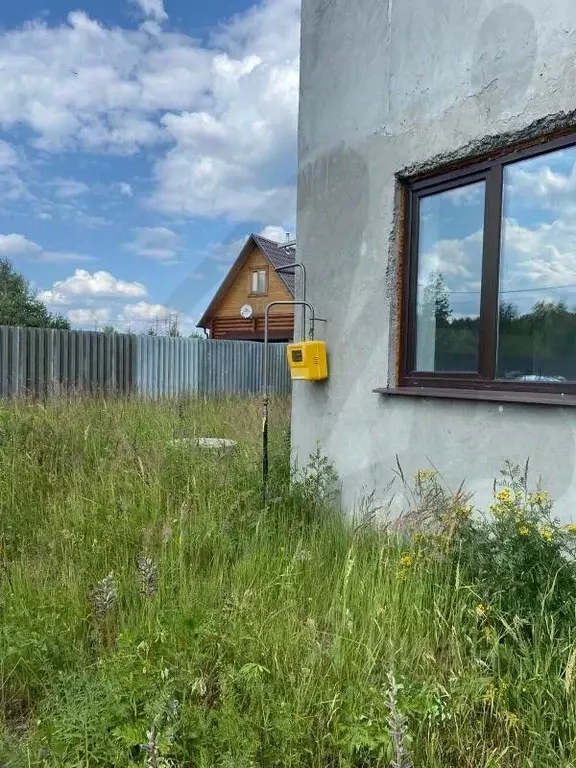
140	142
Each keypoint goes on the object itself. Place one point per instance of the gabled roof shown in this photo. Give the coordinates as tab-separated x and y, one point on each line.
278	256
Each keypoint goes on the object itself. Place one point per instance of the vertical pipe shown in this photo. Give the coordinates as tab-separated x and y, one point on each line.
287	268
265	409
265	383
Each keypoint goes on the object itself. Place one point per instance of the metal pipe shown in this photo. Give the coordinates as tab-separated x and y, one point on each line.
304	304
303	297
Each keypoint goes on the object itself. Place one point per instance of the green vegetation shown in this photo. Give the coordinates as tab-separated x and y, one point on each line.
539	341
19	305
153	613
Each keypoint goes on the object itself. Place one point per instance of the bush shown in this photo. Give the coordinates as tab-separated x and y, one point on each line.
516	557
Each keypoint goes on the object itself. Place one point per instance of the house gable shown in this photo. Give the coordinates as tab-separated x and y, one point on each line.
236	289
240	290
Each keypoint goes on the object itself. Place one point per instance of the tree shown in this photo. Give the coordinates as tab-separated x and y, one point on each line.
108	329
19	304
508	312
437	295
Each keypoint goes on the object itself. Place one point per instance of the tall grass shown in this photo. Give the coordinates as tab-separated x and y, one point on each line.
153	613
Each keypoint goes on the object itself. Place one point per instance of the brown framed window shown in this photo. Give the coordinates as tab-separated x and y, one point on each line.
259	281
490	274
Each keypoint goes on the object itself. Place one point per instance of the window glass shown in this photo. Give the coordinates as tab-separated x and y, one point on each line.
259	281
449	279
537	309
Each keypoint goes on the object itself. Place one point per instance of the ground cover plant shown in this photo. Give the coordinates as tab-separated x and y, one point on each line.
154	612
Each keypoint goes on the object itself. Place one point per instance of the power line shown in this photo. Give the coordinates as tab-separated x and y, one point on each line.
519	290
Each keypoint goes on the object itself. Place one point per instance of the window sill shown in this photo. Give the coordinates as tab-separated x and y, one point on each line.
489	395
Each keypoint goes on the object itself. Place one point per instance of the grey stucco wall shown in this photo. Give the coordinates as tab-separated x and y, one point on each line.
390	85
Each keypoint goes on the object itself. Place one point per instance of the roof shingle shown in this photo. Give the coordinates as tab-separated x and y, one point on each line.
279	256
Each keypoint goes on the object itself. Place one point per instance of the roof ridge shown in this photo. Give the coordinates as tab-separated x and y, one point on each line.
274	242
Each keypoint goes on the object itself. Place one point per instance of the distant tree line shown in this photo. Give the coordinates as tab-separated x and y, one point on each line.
540	341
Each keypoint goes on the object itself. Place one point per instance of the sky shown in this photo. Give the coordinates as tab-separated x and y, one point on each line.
141	141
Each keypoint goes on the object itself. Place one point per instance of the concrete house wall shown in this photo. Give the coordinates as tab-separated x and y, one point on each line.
392	87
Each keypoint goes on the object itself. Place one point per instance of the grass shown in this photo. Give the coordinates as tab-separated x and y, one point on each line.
153	613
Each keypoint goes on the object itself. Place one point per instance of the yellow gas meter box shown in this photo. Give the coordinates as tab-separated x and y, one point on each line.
308	360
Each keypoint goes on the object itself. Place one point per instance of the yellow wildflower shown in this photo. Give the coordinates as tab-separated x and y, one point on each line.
505	495
547	533
488	632
571	528
523	530
511	718
406	560
541	497
482	610
419	537
489	694
425	474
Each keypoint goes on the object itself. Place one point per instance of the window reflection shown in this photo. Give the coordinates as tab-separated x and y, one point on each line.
449	280
537	310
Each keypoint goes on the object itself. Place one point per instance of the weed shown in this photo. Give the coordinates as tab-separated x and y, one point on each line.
234	636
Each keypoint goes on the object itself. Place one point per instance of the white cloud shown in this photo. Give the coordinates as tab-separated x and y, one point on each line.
83	85
139	317
87	220
466	195
543	184
125	189
96	284
133	318
541	181
227	109
89	316
459	261
65	188
94	85
538	264
159	243
14	245
276	234
459	258
225	158
18	245
71	209
153	9
12	186
144	311
8	155
539	257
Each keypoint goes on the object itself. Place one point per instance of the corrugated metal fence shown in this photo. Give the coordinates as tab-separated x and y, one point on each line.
168	366
44	362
